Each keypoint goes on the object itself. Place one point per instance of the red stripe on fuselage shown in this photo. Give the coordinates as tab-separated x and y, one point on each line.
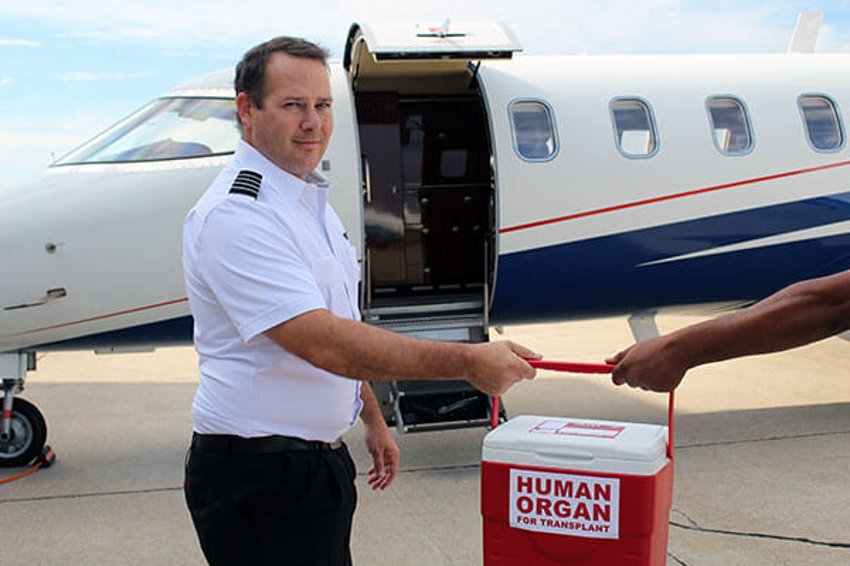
670	197
103	316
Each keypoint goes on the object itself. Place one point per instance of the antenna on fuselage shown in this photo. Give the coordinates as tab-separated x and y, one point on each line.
443	30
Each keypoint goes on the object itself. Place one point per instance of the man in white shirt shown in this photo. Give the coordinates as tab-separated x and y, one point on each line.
284	360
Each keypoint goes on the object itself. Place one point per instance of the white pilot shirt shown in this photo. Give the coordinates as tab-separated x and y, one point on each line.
259	248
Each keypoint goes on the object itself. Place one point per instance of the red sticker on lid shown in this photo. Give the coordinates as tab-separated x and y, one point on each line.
574	428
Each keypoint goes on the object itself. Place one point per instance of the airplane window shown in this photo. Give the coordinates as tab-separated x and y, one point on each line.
167	128
730	124
533	130
823	125
634	127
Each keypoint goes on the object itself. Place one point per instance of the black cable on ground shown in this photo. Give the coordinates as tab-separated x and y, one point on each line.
761	535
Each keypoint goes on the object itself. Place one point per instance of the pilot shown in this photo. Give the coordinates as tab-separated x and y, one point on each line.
284	361
802	313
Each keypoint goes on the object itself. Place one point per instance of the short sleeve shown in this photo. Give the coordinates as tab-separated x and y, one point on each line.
252	263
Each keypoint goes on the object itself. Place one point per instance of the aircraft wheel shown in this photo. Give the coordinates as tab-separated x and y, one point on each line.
27	437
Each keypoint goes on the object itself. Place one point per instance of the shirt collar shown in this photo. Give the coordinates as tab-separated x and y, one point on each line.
276	180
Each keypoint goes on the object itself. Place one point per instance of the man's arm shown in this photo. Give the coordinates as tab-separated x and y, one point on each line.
799	314
360	351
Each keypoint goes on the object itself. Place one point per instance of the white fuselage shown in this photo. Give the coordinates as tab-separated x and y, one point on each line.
584	232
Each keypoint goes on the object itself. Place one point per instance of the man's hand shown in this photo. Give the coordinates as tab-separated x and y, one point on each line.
495	366
385	455
648	365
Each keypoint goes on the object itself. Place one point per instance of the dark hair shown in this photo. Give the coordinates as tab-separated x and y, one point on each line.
251	70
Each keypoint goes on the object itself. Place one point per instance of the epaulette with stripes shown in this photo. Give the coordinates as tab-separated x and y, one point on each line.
247	183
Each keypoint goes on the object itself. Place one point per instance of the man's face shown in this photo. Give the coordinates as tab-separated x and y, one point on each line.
294	126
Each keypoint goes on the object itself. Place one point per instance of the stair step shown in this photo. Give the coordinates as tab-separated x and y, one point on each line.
421	308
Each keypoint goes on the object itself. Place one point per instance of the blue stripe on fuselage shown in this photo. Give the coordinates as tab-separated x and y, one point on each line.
174	332
603	277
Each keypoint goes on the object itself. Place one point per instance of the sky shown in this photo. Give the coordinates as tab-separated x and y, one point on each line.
71	68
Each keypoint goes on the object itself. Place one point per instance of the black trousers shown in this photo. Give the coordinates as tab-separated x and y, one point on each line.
291	507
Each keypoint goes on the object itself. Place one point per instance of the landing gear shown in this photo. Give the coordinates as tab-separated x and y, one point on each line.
24	437
22	427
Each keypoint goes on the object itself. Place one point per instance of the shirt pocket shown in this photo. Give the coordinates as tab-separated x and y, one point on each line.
331	283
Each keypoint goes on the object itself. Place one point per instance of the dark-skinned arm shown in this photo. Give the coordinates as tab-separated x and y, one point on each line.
799	314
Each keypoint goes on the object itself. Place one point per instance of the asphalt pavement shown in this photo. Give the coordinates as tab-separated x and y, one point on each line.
762	468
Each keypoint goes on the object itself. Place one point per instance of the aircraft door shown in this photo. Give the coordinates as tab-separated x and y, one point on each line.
429	204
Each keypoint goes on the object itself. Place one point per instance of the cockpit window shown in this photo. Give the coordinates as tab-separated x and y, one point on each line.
167	128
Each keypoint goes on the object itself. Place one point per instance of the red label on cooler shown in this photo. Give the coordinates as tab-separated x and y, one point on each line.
565	504
577	429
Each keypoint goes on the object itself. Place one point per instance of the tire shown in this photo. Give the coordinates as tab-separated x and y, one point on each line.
29	432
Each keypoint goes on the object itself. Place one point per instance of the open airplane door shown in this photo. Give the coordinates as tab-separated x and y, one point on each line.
429	198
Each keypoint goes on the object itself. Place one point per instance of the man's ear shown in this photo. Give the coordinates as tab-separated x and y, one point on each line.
245	108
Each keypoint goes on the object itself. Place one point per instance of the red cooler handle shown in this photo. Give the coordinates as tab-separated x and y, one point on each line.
670	421
578	367
571	367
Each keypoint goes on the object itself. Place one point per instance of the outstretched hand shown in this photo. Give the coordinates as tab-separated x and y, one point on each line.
646	365
496	366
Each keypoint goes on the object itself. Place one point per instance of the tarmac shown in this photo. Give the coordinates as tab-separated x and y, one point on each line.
762	464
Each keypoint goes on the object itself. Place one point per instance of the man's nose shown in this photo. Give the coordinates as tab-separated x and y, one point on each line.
310	120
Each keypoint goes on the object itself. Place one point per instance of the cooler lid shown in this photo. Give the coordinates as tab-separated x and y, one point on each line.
578	444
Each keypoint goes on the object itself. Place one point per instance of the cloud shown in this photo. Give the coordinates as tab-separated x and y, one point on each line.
172	24
833	38
542	25
88	76
8	42
5	80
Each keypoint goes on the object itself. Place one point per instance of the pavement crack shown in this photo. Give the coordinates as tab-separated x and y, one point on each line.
765	439
805	540
91	494
60	496
676	558
464	467
687	517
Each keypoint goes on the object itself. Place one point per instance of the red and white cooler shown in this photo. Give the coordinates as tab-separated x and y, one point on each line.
572	491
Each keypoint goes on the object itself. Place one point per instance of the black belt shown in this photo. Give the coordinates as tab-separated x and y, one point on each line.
230	444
